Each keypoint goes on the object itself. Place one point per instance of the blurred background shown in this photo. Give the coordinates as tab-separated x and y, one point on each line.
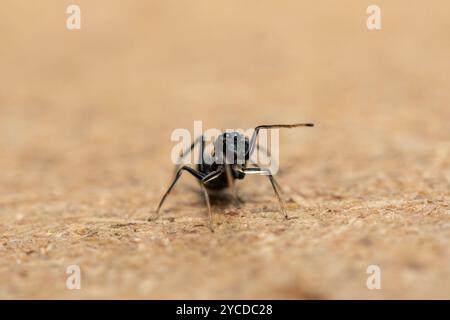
85	123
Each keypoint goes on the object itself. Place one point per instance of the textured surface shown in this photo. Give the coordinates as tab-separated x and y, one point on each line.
85	123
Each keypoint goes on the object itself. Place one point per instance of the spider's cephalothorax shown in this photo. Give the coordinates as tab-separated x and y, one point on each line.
228	160
227	163
231	148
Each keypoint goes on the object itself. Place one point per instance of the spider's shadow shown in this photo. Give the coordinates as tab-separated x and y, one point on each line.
221	199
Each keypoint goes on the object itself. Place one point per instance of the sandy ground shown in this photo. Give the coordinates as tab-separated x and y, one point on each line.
85	124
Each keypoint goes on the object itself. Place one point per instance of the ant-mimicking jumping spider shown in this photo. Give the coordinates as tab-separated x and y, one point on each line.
220	174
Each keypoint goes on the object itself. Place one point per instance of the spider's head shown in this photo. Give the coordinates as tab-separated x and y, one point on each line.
231	148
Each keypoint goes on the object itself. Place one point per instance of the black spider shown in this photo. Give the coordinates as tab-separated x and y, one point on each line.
232	151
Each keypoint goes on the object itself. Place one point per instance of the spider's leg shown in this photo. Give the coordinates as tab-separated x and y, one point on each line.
252	143
231	186
280	189
195	173
275	185
186	152
205	193
209	177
